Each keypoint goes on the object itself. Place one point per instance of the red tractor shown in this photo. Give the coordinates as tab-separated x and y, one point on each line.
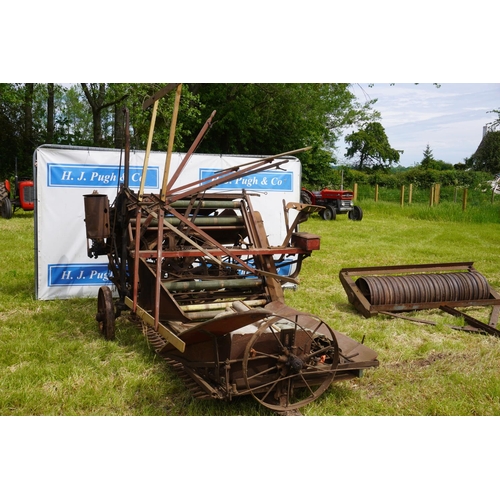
335	201
22	197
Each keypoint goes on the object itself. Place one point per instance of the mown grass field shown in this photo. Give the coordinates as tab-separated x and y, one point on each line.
53	361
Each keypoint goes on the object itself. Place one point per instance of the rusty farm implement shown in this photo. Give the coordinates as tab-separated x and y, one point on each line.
395	290
196	268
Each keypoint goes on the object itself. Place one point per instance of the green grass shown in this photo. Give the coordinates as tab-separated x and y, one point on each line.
53	361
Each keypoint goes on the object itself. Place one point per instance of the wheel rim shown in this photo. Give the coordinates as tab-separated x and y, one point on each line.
106	313
327	214
356	213
286	365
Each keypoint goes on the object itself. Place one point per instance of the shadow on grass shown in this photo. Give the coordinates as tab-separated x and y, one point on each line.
21	214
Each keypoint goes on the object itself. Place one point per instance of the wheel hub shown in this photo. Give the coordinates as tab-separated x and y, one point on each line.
294	363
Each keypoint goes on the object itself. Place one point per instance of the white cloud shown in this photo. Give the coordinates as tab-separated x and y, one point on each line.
449	118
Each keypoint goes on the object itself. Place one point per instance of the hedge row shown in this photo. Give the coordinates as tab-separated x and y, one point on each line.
422	178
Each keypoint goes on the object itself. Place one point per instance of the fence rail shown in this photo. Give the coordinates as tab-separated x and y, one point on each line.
433	196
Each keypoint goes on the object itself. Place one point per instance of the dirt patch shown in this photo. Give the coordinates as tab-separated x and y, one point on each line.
432	358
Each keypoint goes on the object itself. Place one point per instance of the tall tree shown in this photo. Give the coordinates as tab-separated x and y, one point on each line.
96	97
189	120
74	122
495	125
428	158
10	125
371	147
268	118
487	156
22	125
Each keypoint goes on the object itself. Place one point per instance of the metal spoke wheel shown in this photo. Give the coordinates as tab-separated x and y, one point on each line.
106	313
290	361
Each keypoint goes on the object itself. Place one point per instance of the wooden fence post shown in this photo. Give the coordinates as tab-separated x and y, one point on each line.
464	200
437	193
402	197
410	194
376	192
431	197
355	190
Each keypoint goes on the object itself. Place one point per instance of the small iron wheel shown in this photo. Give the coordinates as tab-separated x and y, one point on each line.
287	365
106	313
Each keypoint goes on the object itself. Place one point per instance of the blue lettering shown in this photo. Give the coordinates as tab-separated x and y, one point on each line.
95	176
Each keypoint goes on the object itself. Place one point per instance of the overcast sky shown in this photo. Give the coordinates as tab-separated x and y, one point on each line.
449	118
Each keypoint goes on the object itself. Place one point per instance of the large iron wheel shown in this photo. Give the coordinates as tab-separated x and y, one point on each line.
106	313
286	365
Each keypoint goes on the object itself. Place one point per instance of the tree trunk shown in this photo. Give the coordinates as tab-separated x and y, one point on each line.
28	119
97	126
28	113
95	99
50	113
119	129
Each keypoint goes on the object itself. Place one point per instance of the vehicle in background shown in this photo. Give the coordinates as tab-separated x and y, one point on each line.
23	196
335	201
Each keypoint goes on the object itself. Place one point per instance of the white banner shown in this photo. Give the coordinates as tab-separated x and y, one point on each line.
64	175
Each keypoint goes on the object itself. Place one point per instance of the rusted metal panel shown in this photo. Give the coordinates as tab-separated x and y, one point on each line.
97	216
306	241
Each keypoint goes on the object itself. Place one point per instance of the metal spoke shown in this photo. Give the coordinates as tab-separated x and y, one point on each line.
262	372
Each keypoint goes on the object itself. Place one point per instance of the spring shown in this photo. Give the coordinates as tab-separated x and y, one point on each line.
423	288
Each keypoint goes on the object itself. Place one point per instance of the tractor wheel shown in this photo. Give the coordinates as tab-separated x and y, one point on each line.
356	213
7	210
106	313
329	213
305	198
4	192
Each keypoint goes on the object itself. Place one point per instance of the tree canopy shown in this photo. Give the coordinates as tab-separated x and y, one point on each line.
268	118
430	163
251	118
487	156
370	146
